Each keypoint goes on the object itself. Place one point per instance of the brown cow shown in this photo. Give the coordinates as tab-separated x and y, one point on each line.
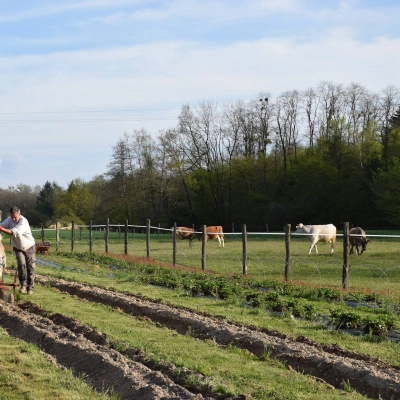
356	241
212	232
184	233
43	248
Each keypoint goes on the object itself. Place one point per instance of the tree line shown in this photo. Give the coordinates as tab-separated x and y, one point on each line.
324	155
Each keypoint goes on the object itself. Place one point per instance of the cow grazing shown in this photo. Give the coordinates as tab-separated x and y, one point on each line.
358	238
318	233
184	233
43	248
212	232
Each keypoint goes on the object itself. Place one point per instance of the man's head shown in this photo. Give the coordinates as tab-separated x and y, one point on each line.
15	213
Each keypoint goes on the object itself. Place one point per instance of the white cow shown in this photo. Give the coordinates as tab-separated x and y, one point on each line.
318	233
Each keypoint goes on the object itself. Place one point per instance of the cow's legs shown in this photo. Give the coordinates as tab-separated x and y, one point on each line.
313	244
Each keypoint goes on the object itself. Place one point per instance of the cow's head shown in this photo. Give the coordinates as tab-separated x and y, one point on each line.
362	241
197	235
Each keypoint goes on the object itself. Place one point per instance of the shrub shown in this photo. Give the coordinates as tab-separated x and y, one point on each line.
255	298
345	319
379	325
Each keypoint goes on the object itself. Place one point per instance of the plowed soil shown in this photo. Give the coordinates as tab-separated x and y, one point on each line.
81	349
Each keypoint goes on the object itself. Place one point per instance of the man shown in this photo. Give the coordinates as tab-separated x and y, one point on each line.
23	243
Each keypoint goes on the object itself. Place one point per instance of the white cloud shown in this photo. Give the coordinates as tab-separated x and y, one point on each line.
153	57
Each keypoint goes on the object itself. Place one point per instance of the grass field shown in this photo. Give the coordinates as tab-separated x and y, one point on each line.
376	271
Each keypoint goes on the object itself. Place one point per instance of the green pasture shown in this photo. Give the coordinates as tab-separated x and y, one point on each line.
375	271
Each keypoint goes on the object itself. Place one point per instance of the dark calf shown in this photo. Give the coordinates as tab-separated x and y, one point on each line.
358	239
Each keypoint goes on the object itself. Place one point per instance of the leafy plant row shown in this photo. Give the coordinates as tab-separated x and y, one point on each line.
297	301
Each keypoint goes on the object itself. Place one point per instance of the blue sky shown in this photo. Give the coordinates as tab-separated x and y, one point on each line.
76	75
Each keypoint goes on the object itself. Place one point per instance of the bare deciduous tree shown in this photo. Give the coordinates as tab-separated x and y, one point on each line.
287	124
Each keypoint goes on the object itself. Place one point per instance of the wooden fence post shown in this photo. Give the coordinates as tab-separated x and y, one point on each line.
287	245
345	272
244	249
72	236
90	236
148	238
106	234
174	245
57	236
126	237
42	233
203	248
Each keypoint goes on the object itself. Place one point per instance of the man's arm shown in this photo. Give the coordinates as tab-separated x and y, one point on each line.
5	230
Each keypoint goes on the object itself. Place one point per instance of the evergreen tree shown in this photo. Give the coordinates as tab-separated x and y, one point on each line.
46	199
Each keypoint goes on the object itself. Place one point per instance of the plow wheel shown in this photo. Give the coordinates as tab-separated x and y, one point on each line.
4	287
7	297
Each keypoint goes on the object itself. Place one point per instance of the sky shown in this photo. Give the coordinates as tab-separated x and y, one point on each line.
75	75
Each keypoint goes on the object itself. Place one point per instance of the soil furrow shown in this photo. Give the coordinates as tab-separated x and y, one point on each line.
178	375
103	368
369	377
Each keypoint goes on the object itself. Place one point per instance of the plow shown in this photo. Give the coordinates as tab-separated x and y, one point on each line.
5	287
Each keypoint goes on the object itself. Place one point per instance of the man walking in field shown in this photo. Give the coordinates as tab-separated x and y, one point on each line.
23	243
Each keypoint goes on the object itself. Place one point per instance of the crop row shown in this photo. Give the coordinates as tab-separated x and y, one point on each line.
376	315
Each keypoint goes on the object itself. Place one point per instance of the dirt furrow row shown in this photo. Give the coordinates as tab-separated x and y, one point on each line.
103	368
369	377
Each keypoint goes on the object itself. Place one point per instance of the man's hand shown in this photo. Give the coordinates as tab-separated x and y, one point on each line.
1	228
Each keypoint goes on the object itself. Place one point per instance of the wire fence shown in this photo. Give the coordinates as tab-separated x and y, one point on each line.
260	255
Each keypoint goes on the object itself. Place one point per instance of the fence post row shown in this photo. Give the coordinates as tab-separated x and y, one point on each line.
346	235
